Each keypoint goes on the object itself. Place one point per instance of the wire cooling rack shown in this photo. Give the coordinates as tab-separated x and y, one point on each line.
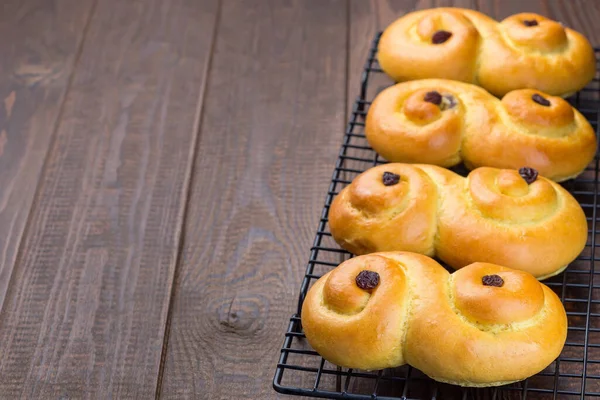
574	375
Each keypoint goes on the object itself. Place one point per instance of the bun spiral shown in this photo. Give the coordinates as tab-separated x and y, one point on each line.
523	51
484	325
493	215
442	122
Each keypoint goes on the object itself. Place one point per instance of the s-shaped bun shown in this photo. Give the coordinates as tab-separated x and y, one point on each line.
506	217
441	122
523	51
484	325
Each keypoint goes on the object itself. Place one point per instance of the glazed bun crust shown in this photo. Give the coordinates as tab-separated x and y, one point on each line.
453	327
341	315
407	123
526	50
495	216
404	214
492	216
406	52
547	57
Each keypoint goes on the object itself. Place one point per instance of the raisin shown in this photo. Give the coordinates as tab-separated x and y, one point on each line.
367	280
433	97
492	280
540	100
440	37
529	174
530	22
390	179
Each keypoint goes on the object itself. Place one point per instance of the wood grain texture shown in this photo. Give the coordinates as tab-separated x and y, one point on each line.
270	133
40	44
86	310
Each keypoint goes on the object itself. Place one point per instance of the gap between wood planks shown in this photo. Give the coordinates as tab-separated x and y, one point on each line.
187	197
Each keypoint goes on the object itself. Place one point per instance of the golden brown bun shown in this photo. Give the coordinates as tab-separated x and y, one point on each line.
500	57
493	216
470	125
453	328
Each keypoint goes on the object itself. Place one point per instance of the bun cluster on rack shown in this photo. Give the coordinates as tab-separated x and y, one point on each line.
441	122
507	217
504	227
523	51
484	325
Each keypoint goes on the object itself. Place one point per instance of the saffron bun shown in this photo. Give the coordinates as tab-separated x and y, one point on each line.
442	122
492	215
525	50
484	325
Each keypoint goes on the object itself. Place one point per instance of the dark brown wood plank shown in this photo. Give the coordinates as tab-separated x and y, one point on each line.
270	133
40	44
86	310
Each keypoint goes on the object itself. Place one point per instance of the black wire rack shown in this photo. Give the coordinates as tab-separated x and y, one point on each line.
574	375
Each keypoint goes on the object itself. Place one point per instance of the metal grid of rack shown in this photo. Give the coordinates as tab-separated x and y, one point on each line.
574	375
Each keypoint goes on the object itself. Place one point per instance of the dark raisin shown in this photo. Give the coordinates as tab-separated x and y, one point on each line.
492	280
390	179
367	280
530	22
433	97
448	101
440	37
540	100
529	174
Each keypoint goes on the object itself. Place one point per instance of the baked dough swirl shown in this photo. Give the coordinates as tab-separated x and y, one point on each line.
523	51
441	122
484	325
493	215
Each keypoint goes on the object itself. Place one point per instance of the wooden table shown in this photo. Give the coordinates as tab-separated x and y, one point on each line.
162	170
